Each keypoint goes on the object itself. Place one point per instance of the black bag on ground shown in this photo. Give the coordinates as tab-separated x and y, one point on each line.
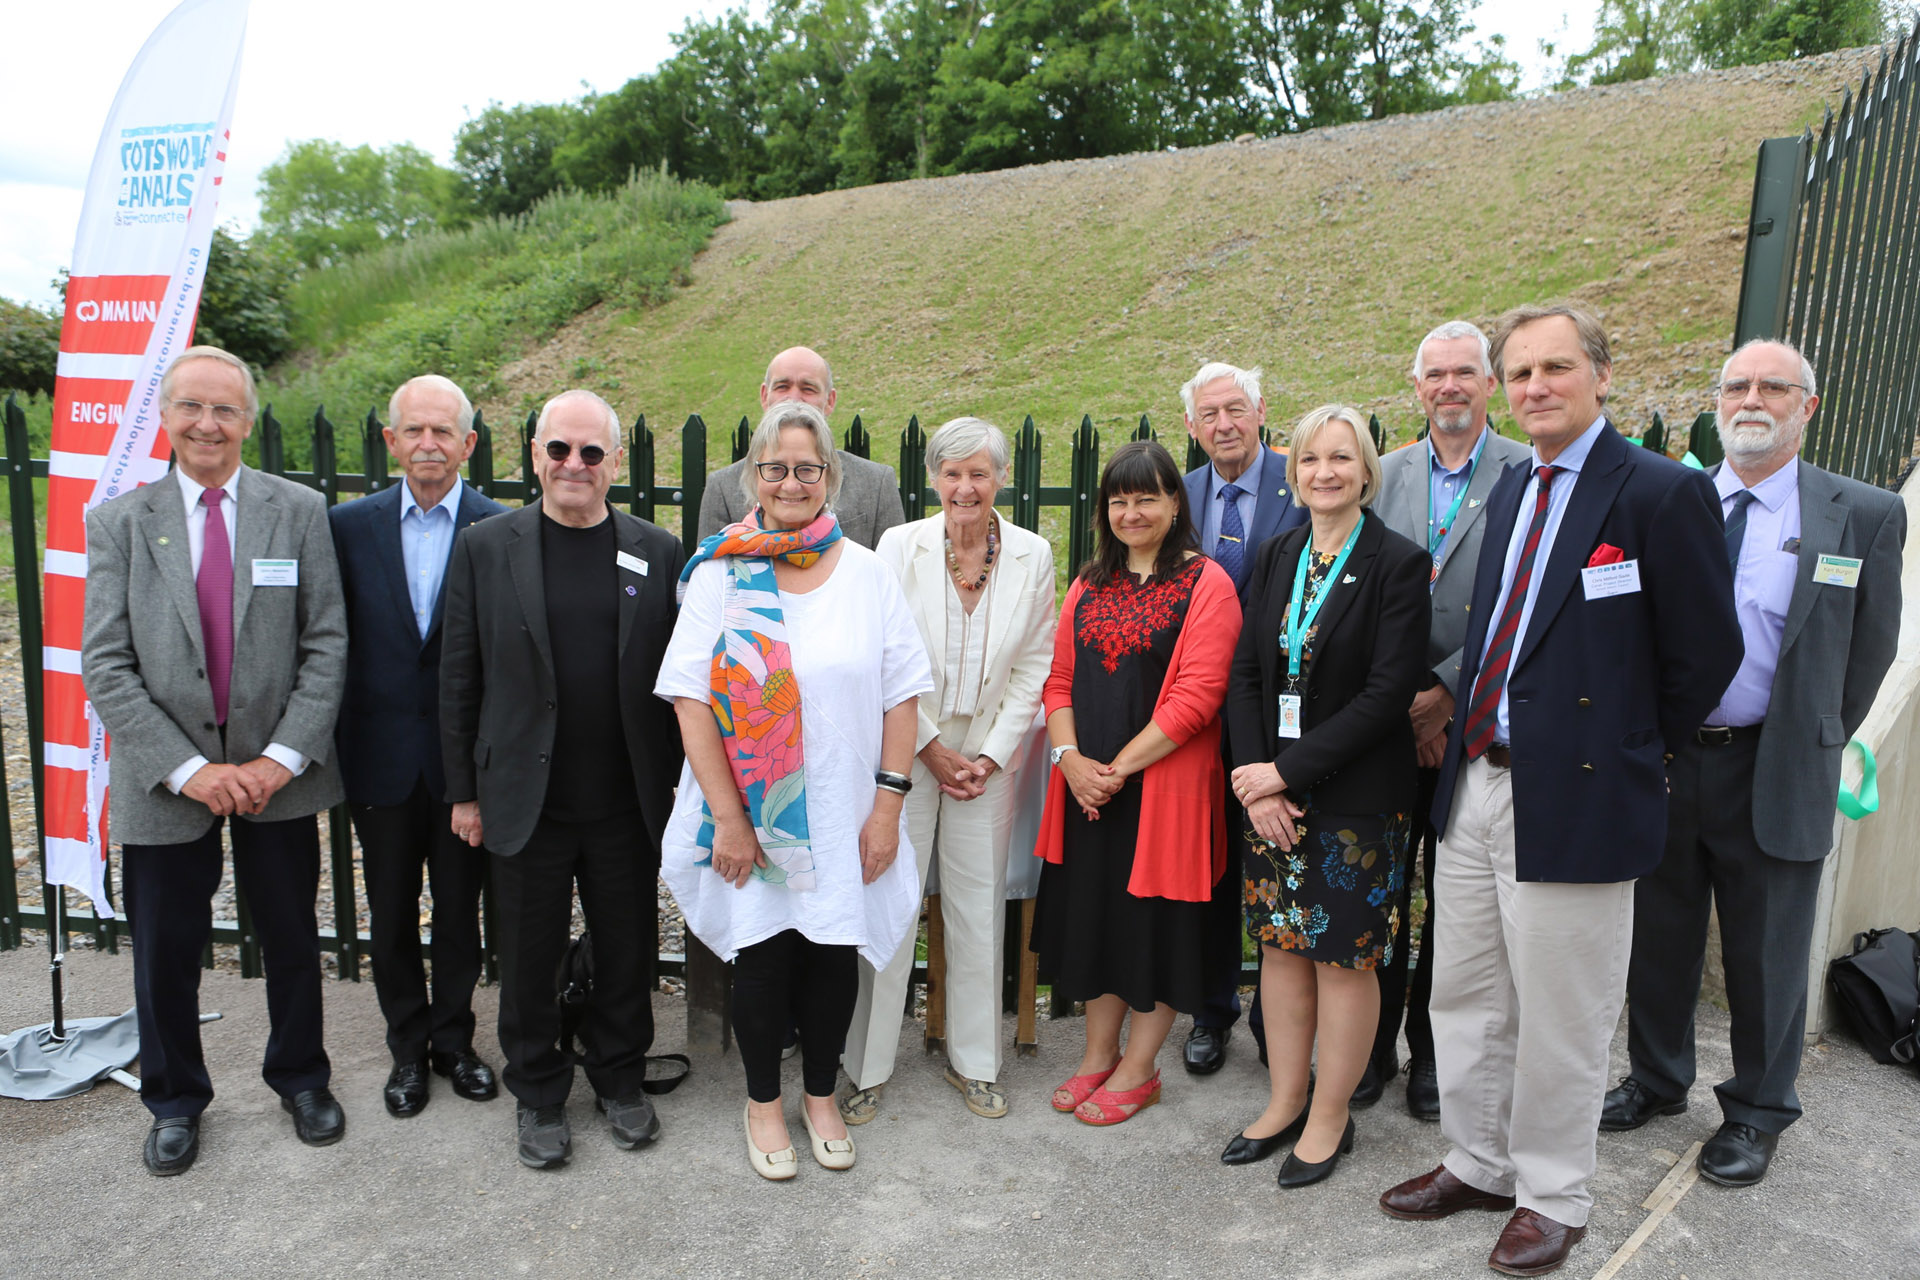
573	986
1879	987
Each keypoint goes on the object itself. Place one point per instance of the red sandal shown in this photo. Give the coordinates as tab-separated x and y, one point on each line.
1077	1090
1107	1107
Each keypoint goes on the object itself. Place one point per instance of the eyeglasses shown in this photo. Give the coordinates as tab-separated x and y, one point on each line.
1770	388
226	415
805	472
591	455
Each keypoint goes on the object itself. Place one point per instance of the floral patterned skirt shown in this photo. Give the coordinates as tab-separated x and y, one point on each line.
1335	897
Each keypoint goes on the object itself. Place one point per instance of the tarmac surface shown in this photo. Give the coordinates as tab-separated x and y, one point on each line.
937	1192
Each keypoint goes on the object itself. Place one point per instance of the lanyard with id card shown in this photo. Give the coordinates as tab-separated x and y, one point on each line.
1300	615
1437	535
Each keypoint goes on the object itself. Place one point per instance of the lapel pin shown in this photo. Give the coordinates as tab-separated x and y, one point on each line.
1349	578
163	542
632	591
1473	502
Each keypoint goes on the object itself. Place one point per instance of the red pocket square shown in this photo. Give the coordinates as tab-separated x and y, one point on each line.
1606	553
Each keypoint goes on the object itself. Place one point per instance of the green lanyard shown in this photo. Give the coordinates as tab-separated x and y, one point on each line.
1302	612
1437	538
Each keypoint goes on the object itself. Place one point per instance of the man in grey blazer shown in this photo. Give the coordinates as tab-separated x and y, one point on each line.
1817	560
869	500
1435	492
215	653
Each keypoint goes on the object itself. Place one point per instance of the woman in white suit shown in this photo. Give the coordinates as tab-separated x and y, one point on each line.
981	591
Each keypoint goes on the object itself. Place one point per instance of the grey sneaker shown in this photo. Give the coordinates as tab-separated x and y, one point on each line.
632	1120
984	1097
861	1105
545	1138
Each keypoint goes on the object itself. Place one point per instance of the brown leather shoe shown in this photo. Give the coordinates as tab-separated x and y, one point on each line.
1532	1244
1437	1195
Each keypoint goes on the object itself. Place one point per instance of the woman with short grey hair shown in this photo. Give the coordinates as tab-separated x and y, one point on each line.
981	593
766	439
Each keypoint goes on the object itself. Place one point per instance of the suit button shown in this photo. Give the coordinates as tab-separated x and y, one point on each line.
208	726
1587	767
543	757
200	675
1586	702
549	704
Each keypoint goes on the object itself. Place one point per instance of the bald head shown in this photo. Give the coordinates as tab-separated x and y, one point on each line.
799	373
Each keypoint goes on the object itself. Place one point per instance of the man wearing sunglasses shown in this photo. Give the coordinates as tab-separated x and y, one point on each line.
869	501
1816	581
561	762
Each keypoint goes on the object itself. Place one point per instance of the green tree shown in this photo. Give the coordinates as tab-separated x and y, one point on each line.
324	201
1735	33
29	347
505	157
1633	40
243	304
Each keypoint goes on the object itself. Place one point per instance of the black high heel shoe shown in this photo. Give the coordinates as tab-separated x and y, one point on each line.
1295	1172
1245	1150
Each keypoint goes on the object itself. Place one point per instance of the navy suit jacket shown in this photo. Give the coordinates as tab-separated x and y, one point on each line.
1600	688
1274	511
389	729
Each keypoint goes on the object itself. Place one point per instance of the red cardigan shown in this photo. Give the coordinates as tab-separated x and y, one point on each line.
1183	793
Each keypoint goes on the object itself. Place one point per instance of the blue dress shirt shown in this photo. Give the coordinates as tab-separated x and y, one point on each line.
426	541
1762	587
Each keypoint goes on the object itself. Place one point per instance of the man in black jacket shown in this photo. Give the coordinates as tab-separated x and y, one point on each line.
561	761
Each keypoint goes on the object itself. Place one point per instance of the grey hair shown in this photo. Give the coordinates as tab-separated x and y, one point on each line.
766	438
1806	365
579	393
1447	333
962	438
227	358
437	383
1248	380
1310	426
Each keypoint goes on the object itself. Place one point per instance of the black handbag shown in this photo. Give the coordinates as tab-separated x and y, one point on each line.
574	989
1879	987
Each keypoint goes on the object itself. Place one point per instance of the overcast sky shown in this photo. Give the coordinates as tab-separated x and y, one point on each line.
360	71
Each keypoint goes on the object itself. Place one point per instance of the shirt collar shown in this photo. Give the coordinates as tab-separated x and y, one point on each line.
1771	493
1249	481
1574	456
191	489
1433	455
450	503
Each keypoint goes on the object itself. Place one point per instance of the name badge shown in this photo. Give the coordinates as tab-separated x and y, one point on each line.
627	560
276	573
1837	571
1602	580
1289	715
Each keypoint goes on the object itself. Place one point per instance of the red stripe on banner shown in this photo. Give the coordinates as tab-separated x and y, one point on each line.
66	804
111	315
66	601
66	502
68	692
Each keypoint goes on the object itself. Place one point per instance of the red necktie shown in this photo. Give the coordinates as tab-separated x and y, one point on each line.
214	590
1483	710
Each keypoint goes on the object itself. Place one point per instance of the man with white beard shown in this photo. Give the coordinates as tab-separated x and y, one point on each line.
1816	561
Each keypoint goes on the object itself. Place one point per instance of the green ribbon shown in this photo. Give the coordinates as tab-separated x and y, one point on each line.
1858	804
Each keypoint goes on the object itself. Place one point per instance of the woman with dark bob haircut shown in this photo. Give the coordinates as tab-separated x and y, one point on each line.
1134	829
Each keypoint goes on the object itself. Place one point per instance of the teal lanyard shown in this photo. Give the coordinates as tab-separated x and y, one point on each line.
1437	538
1300	611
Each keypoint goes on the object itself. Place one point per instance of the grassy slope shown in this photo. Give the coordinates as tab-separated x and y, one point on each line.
1098	286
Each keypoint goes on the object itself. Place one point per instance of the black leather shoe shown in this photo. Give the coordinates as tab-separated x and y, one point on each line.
1737	1155
1423	1090
545	1137
406	1090
1245	1150
172	1143
1206	1050
317	1117
632	1120
1295	1172
1373	1081
1632	1104
472	1079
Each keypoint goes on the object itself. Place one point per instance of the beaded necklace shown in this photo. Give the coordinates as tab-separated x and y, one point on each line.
993	547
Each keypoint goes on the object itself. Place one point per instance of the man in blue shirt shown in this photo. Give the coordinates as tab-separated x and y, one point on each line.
393	548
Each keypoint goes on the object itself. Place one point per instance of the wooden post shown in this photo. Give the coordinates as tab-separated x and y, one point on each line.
936	976
709	999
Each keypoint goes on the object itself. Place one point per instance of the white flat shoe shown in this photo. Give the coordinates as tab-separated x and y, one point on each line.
774	1166
832	1153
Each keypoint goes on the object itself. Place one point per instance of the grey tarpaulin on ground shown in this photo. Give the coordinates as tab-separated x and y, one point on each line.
36	1069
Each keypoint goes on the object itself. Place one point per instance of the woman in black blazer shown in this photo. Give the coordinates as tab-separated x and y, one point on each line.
1332	653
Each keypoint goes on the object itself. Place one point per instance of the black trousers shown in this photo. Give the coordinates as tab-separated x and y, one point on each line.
1226	926
1398	994
1766	928
618	872
169	900
788	981
397	843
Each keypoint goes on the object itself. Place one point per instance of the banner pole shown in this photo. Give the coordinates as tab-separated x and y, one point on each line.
55	944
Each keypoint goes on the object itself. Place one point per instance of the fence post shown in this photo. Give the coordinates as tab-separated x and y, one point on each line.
1773	228
273	444
859	444
26	578
1026	478
1084	488
640	469
913	469
742	436
693	479
1655	436
480	465
1197	457
526	457
1377	432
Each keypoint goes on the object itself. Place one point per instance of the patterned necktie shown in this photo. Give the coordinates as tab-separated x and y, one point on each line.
1483	710
1737	527
1230	549
214	590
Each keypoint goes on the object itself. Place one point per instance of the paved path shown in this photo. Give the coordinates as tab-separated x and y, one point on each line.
938	1192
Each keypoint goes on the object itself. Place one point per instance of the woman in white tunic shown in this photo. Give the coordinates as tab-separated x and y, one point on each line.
795	672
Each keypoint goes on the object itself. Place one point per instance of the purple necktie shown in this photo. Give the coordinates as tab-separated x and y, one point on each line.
214	590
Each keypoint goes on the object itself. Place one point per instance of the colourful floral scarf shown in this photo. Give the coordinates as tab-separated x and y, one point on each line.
754	694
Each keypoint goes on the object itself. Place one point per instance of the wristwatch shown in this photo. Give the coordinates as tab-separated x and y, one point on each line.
1058	754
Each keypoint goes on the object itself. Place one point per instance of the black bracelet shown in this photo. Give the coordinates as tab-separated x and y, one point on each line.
898	783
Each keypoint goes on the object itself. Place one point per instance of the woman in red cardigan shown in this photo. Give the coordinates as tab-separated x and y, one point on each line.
1134	830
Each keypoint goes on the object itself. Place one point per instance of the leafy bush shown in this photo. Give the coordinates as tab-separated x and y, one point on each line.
243	304
29	347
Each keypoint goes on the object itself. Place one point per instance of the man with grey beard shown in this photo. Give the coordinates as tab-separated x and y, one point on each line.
1816	561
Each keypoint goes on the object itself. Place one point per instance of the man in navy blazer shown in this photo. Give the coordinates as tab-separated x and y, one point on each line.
1602	630
1239	500
393	548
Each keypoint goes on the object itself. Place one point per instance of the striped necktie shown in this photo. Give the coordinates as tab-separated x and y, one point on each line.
1230	548
1483	710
